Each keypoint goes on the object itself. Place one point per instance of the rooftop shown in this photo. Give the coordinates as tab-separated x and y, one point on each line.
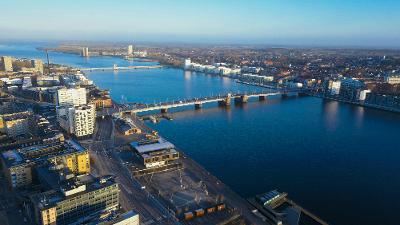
18	115
69	188
41	152
161	144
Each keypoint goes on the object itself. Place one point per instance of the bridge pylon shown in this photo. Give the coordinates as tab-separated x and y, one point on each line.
241	99
198	105
226	101
262	97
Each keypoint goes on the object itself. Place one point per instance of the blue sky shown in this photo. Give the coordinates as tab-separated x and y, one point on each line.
280	22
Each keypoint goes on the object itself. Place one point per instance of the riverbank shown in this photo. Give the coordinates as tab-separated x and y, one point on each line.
358	103
315	150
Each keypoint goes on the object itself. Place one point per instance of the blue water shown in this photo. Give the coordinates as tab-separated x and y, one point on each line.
337	160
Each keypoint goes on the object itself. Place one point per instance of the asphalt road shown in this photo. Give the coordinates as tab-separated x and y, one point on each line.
105	161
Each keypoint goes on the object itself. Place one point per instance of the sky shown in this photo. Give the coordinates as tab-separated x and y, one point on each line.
271	22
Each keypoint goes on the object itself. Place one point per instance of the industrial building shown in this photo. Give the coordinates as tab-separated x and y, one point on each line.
77	120
71	96
155	153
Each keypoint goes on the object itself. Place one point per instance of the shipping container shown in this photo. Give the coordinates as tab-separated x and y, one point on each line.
199	212
211	210
188	215
221	206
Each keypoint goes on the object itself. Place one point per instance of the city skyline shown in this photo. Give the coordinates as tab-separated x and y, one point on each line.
301	23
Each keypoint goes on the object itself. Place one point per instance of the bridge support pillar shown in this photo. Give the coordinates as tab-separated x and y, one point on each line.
262	98
242	99
198	106
165	110
226	101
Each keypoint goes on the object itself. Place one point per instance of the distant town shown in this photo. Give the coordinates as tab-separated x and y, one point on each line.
72	155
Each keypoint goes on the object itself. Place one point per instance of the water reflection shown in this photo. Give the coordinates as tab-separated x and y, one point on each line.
187	75
358	115
330	114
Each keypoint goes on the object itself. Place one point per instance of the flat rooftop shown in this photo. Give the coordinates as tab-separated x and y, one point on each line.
161	144
12	158
55	195
33	153
17	116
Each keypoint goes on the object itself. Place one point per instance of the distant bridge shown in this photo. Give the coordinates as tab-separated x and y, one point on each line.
115	67
198	102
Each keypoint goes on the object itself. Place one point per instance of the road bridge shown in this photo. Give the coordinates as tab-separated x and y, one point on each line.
115	67
198	102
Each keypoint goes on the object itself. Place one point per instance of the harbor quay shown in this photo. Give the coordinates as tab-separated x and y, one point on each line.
180	186
187	191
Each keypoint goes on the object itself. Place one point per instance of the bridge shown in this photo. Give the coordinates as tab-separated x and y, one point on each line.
115	67
198	102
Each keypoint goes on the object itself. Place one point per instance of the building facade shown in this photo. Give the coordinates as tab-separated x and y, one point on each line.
130	50
16	124
77	120
333	87
85	52
7	64
37	64
75	201
393	79
71	96
157	153
18	164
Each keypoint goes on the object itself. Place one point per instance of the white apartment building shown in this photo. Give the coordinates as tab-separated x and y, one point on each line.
130	49
334	87
71	96
85	52
77	120
188	64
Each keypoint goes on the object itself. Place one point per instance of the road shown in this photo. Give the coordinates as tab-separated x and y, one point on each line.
11	212
105	161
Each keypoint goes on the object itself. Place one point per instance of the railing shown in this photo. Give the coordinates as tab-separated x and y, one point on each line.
201	100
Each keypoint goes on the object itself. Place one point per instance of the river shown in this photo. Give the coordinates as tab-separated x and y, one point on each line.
338	160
